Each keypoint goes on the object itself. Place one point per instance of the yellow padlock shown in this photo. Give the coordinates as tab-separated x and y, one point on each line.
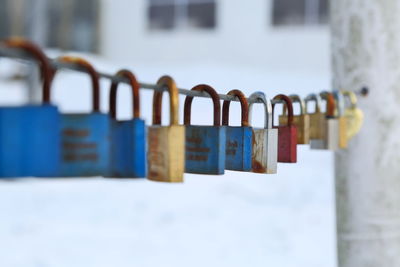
166	144
339	114
354	115
301	121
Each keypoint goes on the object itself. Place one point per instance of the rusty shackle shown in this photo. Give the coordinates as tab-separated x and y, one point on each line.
215	98
243	103
34	51
289	105
169	83
330	103
93	75
128	75
296	99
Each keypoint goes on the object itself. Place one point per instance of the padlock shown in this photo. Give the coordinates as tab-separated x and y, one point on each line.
287	134
301	121
128	137
339	113
166	144
331	125
85	137
265	141
354	115
238	139
29	135
317	118
205	145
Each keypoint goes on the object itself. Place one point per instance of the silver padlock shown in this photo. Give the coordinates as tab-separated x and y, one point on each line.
265	141
331	140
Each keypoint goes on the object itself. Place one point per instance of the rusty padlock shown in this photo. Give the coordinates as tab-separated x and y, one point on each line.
301	121
287	134
339	113
239	138
166	144
128	137
205	145
317	118
331	125
85	137
265	141
354	115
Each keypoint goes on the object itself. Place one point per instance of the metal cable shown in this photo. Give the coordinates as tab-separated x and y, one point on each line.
12	53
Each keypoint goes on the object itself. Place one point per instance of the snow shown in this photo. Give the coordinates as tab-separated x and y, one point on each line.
239	219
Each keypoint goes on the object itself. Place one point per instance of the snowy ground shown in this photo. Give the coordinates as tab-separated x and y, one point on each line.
235	220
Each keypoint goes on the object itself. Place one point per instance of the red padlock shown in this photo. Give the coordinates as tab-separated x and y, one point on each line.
287	135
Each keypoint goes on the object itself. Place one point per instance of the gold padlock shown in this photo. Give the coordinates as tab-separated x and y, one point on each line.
301	121
339	113
317	118
354	115
166	144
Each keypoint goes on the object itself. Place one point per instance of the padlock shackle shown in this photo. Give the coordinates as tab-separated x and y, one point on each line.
243	103
85	65
130	77
340	105
260	96
288	102
330	103
168	83
296	99
317	99
352	98
216	103
44	64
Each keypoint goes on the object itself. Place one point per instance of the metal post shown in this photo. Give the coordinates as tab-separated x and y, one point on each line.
366	51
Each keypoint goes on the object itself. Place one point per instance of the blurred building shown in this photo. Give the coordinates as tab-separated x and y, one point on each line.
279	33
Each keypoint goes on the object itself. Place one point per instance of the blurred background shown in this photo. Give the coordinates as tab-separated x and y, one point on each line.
239	219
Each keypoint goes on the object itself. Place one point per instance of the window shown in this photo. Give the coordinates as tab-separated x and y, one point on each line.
181	14
70	25
300	12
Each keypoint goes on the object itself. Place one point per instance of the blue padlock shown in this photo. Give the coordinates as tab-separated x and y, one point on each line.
205	145
85	137
29	135
239	140
128	137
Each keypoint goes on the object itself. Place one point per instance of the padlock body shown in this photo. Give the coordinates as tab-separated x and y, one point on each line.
85	144
331	140
302	122
287	144
343	132
317	125
166	153
355	119
238	148
29	141
265	151
205	149
128	149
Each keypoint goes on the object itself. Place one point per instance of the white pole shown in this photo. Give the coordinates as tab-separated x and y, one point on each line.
366	51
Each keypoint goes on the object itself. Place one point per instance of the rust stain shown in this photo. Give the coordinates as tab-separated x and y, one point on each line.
197	157
258	167
75	133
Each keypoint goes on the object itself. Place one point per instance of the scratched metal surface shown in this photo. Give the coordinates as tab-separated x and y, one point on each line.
205	149
29	141
238	148
85	144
